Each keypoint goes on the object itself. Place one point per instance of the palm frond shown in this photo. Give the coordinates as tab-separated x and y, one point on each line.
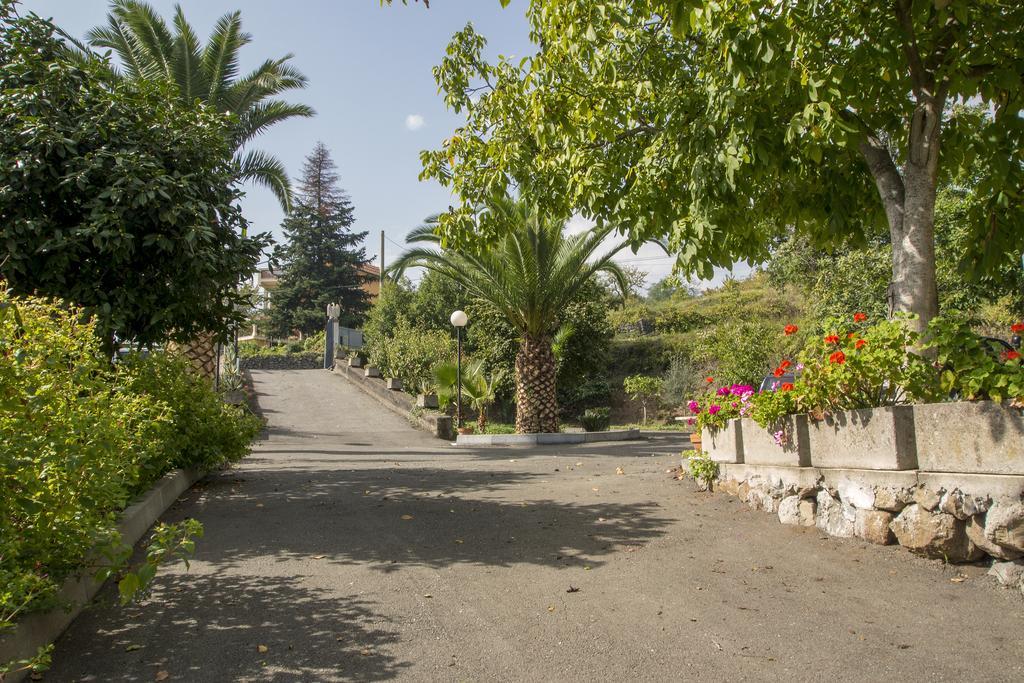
220	58
266	170
151	34
186	61
262	116
118	37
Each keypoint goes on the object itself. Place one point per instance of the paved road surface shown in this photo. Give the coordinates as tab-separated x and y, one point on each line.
355	548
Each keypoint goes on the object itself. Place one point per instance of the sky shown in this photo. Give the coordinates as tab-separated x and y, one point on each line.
370	82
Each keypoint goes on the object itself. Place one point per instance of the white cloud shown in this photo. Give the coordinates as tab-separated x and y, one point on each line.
414	121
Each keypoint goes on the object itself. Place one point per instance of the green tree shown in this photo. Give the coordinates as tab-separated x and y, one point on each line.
644	389
321	262
149	49
529	276
115	196
720	125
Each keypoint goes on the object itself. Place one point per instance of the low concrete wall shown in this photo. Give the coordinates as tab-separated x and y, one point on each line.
403	404
293	361
879	439
469	440
725	444
978	437
37	630
760	448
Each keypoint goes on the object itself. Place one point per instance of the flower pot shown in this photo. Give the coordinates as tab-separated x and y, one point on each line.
427	401
978	437
869	439
760	447
725	444
695	440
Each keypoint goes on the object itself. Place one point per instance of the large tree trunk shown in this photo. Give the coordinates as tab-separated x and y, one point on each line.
536	403
200	352
909	202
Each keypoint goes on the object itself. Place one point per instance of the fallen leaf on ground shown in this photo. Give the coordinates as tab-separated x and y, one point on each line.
579	464
959	579
572	589
259	505
365	653
459	541
319	557
551	608
407	517
162	675
262	648
595	489
619	470
427	595
132	648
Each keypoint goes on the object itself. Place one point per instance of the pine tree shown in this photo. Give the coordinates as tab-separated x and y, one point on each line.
321	263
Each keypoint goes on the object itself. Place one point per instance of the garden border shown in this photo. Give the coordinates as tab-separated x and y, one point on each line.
472	440
398	401
40	629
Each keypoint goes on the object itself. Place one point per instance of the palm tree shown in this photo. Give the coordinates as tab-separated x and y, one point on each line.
149	49
529	275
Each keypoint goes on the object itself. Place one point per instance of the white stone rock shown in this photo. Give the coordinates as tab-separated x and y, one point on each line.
1004	524
834	518
856	494
963	506
976	532
934	534
873	526
789	510
1008	573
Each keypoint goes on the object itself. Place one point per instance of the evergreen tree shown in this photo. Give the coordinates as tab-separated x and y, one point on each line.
322	260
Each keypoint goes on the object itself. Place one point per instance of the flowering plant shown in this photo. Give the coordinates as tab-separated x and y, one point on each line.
863	365
718	405
971	368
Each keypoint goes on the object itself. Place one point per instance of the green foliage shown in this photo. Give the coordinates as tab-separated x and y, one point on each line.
702	468
81	438
115	196
645	389
715	125
863	365
479	389
149	50
972	369
682	380
321	263
410	354
596	419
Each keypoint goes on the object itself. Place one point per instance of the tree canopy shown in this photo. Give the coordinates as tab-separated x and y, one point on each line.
115	196
150	49
722	125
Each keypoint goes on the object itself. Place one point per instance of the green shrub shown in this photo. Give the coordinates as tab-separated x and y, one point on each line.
80	439
596	419
409	354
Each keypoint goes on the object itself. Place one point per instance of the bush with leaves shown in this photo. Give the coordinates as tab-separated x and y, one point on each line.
80	439
971	367
645	389
409	354
596	419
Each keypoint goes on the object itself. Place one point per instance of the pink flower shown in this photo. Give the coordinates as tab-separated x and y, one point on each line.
713	410
724	391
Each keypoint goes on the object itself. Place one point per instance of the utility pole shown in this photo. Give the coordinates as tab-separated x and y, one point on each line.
380	284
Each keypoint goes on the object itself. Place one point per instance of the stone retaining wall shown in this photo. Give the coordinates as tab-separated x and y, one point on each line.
954	517
292	361
402	403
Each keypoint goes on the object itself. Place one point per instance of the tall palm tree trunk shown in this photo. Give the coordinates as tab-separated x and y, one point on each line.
200	352
536	402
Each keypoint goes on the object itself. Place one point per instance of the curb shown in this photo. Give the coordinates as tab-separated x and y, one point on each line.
470	440
38	630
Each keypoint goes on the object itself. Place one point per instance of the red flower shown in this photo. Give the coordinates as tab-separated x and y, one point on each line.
787	386
785	364
851	335
790	329
1011	355
837	358
859	317
832	339
861	343
709	380
1017	327
779	372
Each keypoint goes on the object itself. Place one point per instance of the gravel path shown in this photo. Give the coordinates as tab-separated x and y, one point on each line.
350	546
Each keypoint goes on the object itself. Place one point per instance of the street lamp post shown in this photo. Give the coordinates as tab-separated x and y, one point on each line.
459	320
333	311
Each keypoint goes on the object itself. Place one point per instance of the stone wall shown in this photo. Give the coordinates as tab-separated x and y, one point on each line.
292	361
953	489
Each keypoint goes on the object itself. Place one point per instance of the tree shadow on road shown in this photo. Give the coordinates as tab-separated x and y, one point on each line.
210	628
394	518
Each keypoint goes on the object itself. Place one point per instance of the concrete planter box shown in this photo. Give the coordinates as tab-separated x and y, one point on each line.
979	437
371	372
355	362
393	384
725	444
759	447
427	401
871	439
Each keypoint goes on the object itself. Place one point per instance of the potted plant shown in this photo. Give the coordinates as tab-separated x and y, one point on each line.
715	414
